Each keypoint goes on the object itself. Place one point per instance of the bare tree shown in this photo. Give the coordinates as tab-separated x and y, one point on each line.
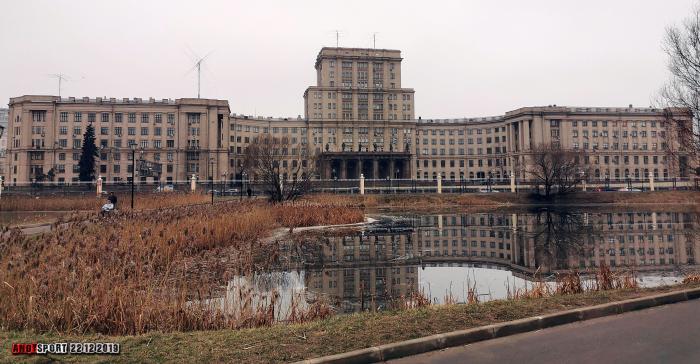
265	159
681	95
555	167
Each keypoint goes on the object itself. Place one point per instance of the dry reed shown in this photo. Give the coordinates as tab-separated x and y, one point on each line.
136	271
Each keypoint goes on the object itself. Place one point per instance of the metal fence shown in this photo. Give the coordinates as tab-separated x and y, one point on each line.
339	186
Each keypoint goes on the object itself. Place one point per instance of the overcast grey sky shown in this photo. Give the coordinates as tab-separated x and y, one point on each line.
463	58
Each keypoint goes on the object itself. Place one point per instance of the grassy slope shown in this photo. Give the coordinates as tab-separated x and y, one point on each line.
284	343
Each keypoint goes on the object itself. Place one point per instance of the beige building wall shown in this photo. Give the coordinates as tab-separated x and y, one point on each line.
184	136
358	110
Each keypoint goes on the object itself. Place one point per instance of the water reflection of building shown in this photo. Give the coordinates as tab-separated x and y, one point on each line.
365	269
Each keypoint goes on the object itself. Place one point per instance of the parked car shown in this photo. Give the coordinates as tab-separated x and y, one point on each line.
626	189
166	188
231	192
487	190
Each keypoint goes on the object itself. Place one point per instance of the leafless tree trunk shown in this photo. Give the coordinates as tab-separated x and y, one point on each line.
681	95
554	167
264	159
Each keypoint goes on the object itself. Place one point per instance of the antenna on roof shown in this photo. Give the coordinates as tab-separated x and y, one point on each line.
198	66
60	77
374	40
337	39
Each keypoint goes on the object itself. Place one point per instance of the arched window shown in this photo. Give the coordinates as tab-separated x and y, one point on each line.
425	175
636	173
452	176
617	173
656	173
471	175
434	176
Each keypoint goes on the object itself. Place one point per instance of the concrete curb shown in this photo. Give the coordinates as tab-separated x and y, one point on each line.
463	337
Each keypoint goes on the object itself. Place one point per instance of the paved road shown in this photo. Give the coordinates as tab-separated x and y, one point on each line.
665	334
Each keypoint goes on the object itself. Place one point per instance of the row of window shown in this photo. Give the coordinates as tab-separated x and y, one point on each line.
118	117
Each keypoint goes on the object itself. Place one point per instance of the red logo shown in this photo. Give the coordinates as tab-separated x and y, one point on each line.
23	349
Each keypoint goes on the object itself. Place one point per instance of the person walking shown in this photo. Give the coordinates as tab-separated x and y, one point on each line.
112	198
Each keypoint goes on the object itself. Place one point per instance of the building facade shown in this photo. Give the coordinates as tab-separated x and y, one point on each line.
359	120
176	138
3	141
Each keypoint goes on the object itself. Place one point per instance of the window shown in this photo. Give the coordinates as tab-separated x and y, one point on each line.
158	118
91	117
132	117
64	117
118	117
144	117
105	117
38	116
78	117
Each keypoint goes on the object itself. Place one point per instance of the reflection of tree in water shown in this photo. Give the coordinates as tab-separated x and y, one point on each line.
558	236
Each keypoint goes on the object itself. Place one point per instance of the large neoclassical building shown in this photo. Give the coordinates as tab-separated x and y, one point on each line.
359	119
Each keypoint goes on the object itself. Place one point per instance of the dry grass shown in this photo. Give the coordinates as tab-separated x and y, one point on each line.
302	214
138	271
691	278
602	279
289	343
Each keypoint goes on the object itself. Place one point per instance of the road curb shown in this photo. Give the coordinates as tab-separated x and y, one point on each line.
463	337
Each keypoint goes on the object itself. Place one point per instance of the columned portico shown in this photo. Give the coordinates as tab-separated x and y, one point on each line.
373	165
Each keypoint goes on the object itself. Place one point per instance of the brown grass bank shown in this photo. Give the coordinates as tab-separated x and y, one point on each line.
136	271
286	343
91	202
480	200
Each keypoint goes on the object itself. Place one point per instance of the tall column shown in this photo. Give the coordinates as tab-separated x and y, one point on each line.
343	169
326	169
651	181
375	168
526	135
358	167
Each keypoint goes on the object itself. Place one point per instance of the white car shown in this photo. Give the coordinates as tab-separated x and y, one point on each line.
166	188
487	190
625	189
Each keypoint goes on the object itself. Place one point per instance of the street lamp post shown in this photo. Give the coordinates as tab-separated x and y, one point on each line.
489	182
398	180
223	181
133	170
415	182
242	183
335	180
211	178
